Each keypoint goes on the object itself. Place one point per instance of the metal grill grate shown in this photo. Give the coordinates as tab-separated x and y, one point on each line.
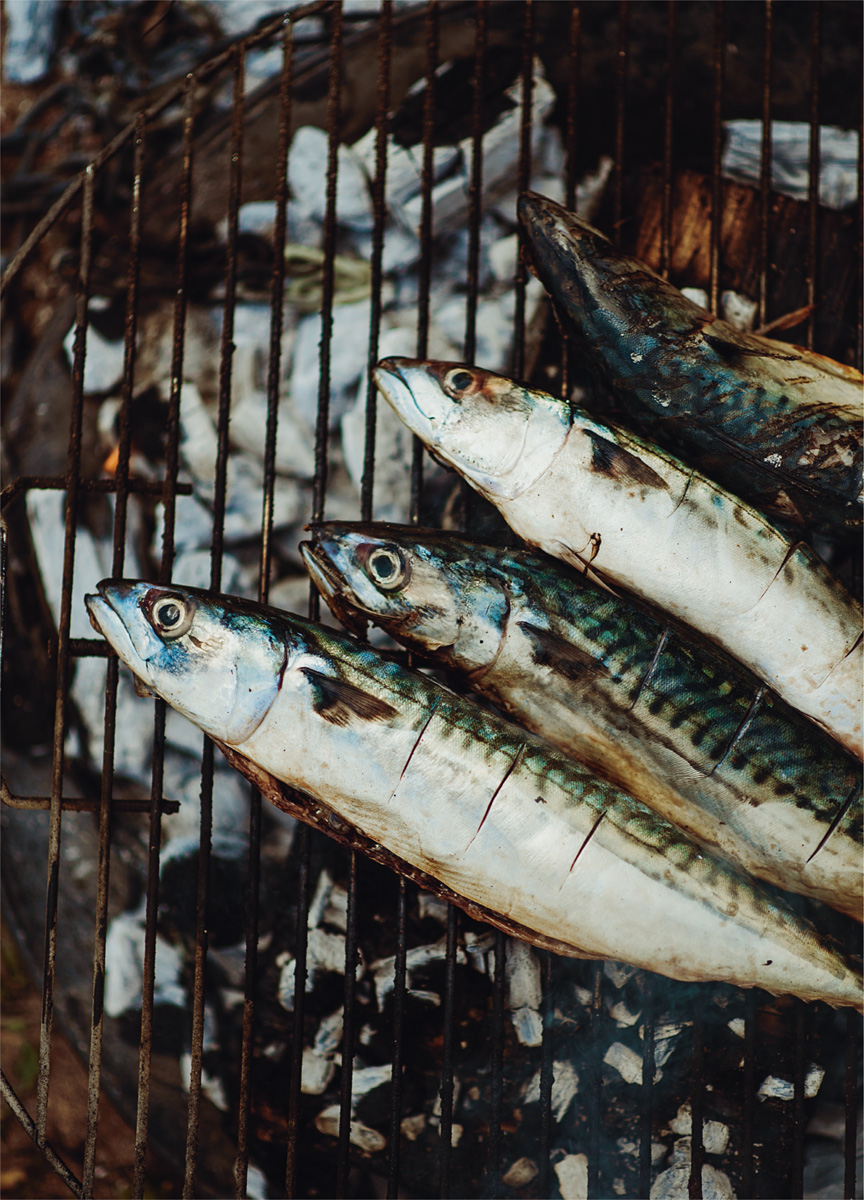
603	104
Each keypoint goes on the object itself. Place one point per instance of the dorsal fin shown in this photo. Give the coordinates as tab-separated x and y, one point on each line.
337	701
561	656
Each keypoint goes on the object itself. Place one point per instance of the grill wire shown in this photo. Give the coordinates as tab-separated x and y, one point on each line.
230	65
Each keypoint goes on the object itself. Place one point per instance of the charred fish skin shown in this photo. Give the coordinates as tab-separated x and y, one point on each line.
778	425
680	725
608	502
488	809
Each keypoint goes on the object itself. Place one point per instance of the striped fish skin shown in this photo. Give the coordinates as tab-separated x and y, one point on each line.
604	500
659	711
486	808
772	422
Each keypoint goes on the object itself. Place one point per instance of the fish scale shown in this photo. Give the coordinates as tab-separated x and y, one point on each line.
608	680
492	812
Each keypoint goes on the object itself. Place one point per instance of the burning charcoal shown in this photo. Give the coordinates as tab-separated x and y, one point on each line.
520	1173
384	971
308	183
103	364
565	1085
674	1184
790	159
626	1062
524	992
29	39
124	977
368	1140
572	1172
211	1084
774	1088
350	325
178	883
715	1135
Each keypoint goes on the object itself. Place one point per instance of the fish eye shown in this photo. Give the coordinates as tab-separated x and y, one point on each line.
171	616
457	381
387	567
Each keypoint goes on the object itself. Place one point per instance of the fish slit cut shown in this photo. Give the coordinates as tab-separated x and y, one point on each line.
413	748
789	553
837	819
657	652
591	833
515	763
683	494
740	731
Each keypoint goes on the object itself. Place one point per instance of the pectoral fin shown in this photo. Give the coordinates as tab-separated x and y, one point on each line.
559	655
608	458
338	702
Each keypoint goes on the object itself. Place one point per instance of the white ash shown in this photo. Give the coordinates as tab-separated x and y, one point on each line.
29	41
124	966
368	1140
674	1183
715	1135
665	1038
572	1173
520	1173
429	905
350	332
366	1079
738	310
480	951
658	1149
307	180
325	952
192	568
257	1187
211	1085
565	1085
412	1127
738	1026
316	1072
621	1014
103	360
774	1088
524	992
626	1062
790	159
618	973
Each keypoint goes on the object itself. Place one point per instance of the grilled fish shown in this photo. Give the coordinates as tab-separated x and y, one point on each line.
772	422
490	810
656	709
604	500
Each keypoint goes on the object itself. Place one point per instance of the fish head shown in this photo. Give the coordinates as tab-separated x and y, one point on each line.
500	435
601	292
428	590
216	660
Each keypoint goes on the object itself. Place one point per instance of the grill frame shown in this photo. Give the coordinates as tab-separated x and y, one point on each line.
232	60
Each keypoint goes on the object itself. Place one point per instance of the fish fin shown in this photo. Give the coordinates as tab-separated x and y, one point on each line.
337	701
141	688
561	656
608	458
730	349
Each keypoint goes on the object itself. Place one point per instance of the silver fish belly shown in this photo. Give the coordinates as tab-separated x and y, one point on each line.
602	499
659	711
494	813
775	423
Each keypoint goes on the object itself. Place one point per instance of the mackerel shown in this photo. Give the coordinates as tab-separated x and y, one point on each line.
648	704
775	423
604	500
492	812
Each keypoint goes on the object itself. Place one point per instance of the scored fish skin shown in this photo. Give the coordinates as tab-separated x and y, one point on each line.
653	707
486	808
606	501
777	424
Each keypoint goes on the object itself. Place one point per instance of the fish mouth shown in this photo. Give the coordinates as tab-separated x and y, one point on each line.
108	621
391	379
331	585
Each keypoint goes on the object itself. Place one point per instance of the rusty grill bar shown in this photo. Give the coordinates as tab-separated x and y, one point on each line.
284	31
